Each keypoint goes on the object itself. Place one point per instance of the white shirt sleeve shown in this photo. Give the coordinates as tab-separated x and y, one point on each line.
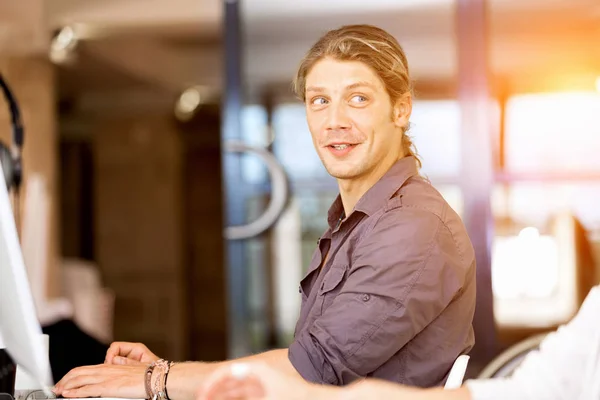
560	369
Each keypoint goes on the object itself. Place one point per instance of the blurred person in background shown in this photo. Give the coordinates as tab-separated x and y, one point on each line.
390	291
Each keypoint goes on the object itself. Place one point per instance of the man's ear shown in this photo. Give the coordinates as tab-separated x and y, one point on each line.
403	110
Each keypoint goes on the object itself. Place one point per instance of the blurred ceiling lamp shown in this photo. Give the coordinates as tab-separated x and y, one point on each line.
598	84
190	101
62	48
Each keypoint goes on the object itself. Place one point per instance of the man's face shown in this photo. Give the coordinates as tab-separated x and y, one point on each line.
355	129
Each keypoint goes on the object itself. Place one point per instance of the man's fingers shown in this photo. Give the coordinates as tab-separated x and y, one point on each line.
83	380
93	373
125	361
113	351
72	374
133	351
118	360
103	381
85	391
125	350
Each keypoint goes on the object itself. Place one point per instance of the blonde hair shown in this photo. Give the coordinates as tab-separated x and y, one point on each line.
372	46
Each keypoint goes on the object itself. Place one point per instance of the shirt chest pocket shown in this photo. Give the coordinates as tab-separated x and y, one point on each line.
332	285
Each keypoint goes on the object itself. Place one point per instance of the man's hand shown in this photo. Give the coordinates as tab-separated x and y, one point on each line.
126	353
125	381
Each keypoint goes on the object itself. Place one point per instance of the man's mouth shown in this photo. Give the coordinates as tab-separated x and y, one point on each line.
341	149
340	146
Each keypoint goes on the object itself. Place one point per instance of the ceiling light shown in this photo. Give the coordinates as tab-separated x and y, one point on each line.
62	48
188	102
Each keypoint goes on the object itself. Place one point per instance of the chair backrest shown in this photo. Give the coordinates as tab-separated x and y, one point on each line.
457	373
509	360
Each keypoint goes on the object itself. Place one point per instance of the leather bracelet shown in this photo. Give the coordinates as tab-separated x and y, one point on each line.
169	365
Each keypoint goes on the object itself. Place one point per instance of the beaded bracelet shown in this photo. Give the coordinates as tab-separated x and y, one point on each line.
158	391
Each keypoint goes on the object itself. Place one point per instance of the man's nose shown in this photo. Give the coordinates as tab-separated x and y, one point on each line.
337	118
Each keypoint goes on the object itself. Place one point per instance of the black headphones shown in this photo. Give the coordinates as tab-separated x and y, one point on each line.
10	158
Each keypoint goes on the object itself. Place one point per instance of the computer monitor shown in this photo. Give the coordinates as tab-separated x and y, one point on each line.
20	329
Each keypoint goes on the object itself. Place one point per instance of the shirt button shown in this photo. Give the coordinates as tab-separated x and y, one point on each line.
366	297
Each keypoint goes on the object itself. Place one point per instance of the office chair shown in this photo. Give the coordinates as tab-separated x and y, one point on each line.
505	364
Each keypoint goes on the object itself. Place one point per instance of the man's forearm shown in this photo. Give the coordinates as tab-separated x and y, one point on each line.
277	359
186	378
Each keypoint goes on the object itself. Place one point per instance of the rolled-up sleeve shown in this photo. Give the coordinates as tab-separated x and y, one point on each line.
403	275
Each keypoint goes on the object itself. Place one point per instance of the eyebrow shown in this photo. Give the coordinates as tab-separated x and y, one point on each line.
360	84
355	85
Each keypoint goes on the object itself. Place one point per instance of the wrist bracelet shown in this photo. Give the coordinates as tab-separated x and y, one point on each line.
169	365
157	380
148	380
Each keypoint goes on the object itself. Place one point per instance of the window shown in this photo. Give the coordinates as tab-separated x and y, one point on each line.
293	144
551	149
254	132
435	130
558	132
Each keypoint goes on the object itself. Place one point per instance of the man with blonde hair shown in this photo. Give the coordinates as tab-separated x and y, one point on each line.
390	291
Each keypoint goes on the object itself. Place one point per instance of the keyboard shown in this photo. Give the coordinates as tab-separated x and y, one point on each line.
33	395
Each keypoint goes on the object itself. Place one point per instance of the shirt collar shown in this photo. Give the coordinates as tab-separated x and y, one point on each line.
379	193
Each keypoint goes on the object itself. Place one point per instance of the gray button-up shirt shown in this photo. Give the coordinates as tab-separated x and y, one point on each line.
395	297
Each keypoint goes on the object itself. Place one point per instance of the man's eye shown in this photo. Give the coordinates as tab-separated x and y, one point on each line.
358	99
319	101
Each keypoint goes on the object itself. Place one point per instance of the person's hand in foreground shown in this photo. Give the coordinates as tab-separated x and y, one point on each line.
257	381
